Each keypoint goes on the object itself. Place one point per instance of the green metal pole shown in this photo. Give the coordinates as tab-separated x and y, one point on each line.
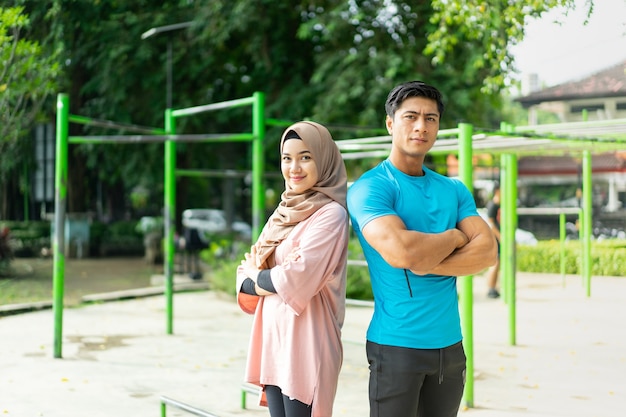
511	220
467	294
506	212
581	240
562	235
169	217
504	231
587	215
258	163
60	184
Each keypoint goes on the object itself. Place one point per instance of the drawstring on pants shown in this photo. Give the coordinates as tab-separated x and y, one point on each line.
440	366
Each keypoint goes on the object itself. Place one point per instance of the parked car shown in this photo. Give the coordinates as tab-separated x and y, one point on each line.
213	221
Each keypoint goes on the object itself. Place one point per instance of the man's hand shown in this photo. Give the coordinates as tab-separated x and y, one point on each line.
462	238
473	257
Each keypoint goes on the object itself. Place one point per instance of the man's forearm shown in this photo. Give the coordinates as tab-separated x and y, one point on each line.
434	249
470	259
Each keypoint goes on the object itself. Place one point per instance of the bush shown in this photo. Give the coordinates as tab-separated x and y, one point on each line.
116	239
608	257
223	269
358	286
223	258
27	239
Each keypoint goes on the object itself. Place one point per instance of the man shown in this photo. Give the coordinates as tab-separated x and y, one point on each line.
493	217
418	230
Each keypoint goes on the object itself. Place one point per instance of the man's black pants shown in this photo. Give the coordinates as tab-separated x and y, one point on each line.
407	382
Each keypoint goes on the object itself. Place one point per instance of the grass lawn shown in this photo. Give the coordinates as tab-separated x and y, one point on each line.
31	279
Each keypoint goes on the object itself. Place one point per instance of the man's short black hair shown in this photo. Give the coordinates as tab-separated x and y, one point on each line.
412	89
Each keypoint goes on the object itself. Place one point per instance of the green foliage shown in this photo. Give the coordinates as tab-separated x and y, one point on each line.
27	77
223	275
123	228
358	286
485	30
223	258
119	238
28	238
330	60
608	257
223	270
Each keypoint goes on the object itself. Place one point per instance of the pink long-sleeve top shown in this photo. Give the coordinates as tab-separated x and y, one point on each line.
295	341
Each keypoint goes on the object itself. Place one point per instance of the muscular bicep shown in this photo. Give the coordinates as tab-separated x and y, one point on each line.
384	235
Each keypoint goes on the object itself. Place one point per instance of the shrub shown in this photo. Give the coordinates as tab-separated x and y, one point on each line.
27	239
223	258
358	285
119	238
223	266
608	257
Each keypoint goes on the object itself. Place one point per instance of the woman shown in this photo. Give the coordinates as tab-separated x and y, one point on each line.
294	280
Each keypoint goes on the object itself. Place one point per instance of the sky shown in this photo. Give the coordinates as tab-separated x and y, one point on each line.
572	50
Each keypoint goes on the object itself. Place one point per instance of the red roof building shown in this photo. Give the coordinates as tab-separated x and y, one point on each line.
601	96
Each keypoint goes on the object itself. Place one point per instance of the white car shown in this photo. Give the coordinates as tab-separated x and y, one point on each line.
213	221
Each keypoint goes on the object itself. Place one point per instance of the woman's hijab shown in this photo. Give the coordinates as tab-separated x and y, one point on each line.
293	207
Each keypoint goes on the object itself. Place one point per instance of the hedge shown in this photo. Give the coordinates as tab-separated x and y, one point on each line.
608	258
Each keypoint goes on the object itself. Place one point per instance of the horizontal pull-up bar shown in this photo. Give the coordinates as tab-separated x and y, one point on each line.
169	138
215	106
212	173
218	137
114	125
229	173
538	211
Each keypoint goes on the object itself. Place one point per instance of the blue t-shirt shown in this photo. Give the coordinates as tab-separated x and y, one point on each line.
415	311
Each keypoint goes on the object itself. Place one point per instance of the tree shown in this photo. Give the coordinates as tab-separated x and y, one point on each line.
459	45
331	60
27	78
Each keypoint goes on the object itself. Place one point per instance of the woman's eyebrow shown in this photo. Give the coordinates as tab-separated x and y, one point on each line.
299	153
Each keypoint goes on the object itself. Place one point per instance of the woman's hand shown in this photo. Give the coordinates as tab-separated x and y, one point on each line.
249	265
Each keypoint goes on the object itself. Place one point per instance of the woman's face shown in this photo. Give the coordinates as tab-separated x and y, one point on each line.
298	167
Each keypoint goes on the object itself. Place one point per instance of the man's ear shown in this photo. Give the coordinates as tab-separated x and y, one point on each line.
389	124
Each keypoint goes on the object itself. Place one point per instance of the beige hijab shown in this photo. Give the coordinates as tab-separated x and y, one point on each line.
293	207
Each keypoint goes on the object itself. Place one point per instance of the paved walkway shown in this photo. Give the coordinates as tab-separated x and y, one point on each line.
569	359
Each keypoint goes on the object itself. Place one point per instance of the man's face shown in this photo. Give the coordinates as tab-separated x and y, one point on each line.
414	126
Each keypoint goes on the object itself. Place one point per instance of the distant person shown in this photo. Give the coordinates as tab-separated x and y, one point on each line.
294	280
493	218
418	230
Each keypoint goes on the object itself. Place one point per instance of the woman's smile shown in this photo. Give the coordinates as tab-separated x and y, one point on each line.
298	167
